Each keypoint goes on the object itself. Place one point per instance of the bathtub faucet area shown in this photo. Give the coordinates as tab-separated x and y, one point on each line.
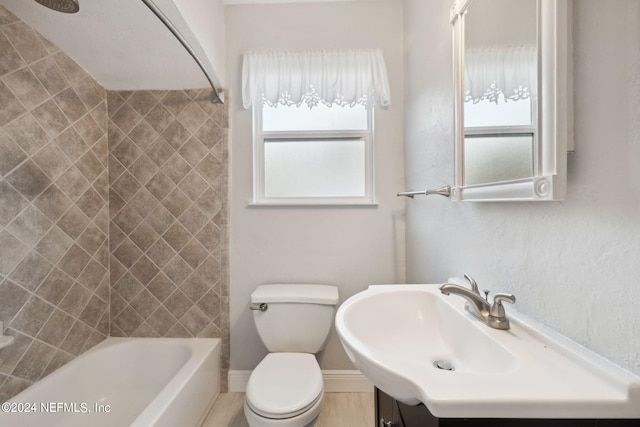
492	314
4	340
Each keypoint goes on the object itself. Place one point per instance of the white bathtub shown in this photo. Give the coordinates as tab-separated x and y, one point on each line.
137	382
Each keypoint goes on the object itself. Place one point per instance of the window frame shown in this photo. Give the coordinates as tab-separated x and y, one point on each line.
260	136
508	130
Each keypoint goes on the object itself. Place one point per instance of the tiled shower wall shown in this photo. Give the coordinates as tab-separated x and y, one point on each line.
168	203
54	218
164	232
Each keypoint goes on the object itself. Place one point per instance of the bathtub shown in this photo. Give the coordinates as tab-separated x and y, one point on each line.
137	382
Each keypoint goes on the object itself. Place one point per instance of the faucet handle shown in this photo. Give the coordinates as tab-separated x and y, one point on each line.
472	282
497	309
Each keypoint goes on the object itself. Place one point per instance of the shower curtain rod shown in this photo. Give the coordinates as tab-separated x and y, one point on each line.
218	97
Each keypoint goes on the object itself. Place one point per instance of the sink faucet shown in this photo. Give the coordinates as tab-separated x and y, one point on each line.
491	314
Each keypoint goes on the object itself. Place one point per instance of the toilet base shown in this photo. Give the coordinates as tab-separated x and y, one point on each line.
306	419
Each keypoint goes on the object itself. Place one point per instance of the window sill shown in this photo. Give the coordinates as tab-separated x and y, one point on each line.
298	204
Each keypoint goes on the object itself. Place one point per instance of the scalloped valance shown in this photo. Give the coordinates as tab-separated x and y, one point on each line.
342	77
510	70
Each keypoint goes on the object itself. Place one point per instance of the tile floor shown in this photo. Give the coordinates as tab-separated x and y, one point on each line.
339	409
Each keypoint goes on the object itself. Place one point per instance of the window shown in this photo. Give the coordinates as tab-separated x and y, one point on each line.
500	140
313	124
318	155
500	114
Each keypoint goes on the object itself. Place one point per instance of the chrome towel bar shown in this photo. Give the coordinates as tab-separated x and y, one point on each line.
443	191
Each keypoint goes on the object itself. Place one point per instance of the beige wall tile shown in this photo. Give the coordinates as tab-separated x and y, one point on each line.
110	209
174	283
50	204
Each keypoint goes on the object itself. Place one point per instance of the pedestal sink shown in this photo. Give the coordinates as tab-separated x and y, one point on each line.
418	345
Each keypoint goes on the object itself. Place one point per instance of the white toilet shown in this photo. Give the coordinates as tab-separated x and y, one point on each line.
286	388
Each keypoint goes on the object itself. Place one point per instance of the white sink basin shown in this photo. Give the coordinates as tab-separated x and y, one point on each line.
395	333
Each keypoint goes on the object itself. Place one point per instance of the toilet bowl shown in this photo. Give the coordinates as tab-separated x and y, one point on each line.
286	388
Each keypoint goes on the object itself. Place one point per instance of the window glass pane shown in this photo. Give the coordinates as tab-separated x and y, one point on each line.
315	168
320	117
495	158
491	114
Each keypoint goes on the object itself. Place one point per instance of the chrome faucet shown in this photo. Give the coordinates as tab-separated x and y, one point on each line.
491	314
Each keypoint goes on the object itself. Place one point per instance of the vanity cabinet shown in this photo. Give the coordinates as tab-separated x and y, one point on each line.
389	412
392	413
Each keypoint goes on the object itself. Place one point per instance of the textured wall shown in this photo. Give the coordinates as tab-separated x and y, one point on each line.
168	203
54	219
573	265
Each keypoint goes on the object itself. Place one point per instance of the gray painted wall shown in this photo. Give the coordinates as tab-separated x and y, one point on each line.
348	247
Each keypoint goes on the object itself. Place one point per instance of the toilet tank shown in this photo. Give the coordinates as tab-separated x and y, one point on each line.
298	318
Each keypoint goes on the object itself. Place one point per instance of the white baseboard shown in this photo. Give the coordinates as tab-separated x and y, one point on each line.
343	381
237	380
335	381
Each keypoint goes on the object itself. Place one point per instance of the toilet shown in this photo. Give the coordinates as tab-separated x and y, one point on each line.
286	388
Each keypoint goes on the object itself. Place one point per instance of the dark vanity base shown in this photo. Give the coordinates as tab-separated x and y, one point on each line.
390	410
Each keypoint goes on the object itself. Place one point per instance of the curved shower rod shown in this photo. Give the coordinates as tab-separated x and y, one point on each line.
218	97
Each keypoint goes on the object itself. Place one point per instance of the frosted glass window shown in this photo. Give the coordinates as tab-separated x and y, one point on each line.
313	156
496	158
311	168
499	140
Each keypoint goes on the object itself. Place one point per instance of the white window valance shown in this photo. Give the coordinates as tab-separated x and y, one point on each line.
511	70
342	77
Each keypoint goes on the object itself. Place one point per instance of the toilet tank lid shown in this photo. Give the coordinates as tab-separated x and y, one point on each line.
312	294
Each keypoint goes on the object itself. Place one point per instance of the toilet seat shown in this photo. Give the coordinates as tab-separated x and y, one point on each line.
284	385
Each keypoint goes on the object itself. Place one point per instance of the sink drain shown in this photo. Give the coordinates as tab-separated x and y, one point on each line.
444	365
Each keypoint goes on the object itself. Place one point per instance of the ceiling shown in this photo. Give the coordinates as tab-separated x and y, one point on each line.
124	46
